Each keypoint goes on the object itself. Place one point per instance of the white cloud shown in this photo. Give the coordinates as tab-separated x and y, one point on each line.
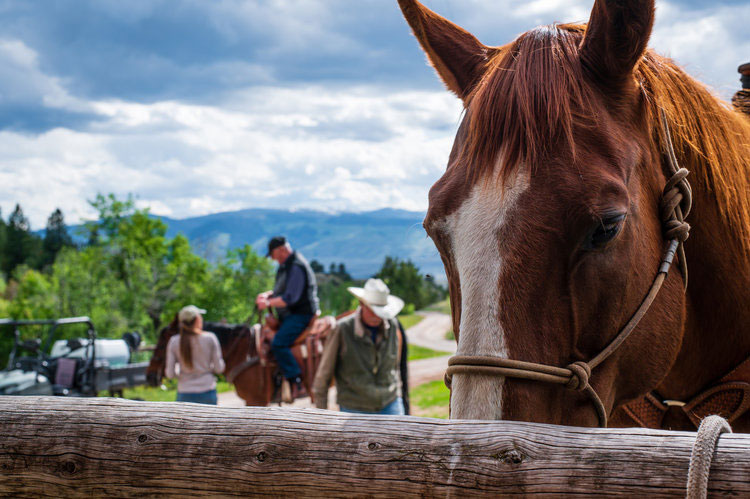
23	82
705	42
312	147
353	147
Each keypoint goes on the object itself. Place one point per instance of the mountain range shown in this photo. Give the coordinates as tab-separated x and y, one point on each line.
360	240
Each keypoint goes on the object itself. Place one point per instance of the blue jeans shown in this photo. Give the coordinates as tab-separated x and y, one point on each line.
208	397
290	329
395	408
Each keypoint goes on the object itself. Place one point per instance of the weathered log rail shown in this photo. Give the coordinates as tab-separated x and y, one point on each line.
110	447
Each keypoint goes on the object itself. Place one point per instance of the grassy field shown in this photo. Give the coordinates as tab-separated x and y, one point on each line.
166	394
416	352
430	400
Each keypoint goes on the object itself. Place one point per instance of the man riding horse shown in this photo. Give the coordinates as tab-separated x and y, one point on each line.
295	298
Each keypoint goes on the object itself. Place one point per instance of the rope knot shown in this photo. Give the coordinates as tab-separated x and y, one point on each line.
579	378
677	193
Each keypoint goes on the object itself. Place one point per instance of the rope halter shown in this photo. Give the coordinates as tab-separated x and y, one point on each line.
675	204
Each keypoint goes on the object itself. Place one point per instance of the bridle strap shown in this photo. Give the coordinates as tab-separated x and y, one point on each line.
676	201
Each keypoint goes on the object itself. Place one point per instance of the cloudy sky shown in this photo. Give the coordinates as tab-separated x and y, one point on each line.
203	106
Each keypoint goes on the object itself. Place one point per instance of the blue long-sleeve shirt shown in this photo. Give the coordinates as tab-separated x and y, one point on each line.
295	285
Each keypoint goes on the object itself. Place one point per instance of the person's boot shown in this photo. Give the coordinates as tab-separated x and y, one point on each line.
286	392
297	388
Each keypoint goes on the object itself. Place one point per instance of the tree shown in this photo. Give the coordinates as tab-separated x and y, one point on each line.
56	237
3	241
233	285
32	297
342	273
112	212
317	267
21	246
405	281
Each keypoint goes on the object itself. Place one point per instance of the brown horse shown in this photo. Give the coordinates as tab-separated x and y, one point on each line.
549	223
247	355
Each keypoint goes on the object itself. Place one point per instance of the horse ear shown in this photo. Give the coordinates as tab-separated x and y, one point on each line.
616	37
458	57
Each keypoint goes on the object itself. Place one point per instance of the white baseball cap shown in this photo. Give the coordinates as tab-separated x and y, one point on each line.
189	313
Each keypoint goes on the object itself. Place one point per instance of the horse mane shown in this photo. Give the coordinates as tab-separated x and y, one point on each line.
711	140
535	91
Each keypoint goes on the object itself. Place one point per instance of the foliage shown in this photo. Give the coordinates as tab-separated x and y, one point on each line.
339	271
405	281
21	246
232	285
3	245
56	237
333	295
133	278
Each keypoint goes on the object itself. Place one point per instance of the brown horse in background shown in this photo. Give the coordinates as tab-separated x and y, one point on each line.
247	355
548	222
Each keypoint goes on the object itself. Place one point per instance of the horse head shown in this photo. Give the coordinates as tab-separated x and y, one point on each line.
155	369
547	218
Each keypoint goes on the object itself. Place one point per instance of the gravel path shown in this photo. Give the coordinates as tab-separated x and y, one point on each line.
429	333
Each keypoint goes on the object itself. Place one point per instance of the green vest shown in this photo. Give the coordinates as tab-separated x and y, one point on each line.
367	375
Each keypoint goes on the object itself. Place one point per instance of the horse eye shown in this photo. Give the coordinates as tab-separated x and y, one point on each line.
605	231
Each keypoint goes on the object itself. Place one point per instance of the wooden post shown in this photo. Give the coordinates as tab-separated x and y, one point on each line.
109	447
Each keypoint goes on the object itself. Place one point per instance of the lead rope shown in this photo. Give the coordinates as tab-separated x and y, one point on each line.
676	201
703	451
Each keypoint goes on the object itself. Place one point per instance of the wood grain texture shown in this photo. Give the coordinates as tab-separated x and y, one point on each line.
111	447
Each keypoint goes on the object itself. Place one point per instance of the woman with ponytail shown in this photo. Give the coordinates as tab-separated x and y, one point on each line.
198	354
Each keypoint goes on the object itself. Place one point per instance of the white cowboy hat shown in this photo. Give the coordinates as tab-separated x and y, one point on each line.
377	297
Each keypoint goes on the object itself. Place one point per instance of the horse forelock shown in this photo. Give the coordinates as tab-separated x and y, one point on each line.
527	103
536	93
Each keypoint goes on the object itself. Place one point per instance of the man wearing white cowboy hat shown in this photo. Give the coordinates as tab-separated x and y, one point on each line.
363	354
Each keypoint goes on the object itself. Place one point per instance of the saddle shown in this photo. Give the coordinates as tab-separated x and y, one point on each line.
307	350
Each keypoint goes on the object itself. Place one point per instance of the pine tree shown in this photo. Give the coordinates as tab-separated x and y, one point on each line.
3	240
56	237
342	273
21	246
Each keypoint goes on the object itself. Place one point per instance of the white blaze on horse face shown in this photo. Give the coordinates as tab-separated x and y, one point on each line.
474	229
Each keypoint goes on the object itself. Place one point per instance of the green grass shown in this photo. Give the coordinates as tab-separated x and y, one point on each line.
416	352
449	335
166	394
430	400
409	320
441	306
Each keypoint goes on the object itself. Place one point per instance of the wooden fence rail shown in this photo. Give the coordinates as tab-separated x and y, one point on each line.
110	447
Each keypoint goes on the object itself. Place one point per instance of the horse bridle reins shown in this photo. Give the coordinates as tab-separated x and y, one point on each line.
675	204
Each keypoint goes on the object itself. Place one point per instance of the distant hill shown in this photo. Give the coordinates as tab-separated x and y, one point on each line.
360	240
